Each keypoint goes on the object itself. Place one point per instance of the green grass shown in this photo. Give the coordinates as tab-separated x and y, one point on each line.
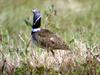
76	22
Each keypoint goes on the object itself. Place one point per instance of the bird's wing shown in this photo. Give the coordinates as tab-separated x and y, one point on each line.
50	40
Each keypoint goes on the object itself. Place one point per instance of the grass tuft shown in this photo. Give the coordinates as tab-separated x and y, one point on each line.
76	22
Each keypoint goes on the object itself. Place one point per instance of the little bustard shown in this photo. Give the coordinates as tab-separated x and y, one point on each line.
45	38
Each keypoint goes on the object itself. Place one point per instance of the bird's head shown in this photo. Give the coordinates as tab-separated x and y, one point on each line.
36	19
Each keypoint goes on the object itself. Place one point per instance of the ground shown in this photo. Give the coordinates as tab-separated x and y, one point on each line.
75	21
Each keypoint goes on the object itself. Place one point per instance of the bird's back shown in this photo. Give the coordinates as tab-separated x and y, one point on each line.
49	40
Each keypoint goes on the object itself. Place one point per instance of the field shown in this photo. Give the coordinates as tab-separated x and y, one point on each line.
77	22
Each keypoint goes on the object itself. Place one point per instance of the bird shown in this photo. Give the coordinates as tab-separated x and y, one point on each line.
45	38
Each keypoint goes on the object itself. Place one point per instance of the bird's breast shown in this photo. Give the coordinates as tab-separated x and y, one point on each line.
34	38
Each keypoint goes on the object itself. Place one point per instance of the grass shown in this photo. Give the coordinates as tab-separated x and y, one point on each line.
76	21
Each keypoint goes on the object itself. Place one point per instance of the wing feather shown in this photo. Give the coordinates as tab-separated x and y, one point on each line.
50	40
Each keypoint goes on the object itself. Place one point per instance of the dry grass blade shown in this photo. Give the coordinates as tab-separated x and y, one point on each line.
0	38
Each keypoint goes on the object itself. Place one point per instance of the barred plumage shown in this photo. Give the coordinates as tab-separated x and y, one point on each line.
45	38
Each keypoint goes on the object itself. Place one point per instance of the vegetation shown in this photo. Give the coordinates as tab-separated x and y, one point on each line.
75	21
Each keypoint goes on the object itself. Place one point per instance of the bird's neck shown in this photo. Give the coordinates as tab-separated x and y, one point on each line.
36	29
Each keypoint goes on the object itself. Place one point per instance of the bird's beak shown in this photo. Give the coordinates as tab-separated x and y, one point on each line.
34	10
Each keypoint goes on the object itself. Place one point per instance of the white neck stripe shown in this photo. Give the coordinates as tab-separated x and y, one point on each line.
36	29
37	19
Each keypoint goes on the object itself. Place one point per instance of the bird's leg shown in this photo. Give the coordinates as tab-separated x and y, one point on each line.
52	53
45	66
58	64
